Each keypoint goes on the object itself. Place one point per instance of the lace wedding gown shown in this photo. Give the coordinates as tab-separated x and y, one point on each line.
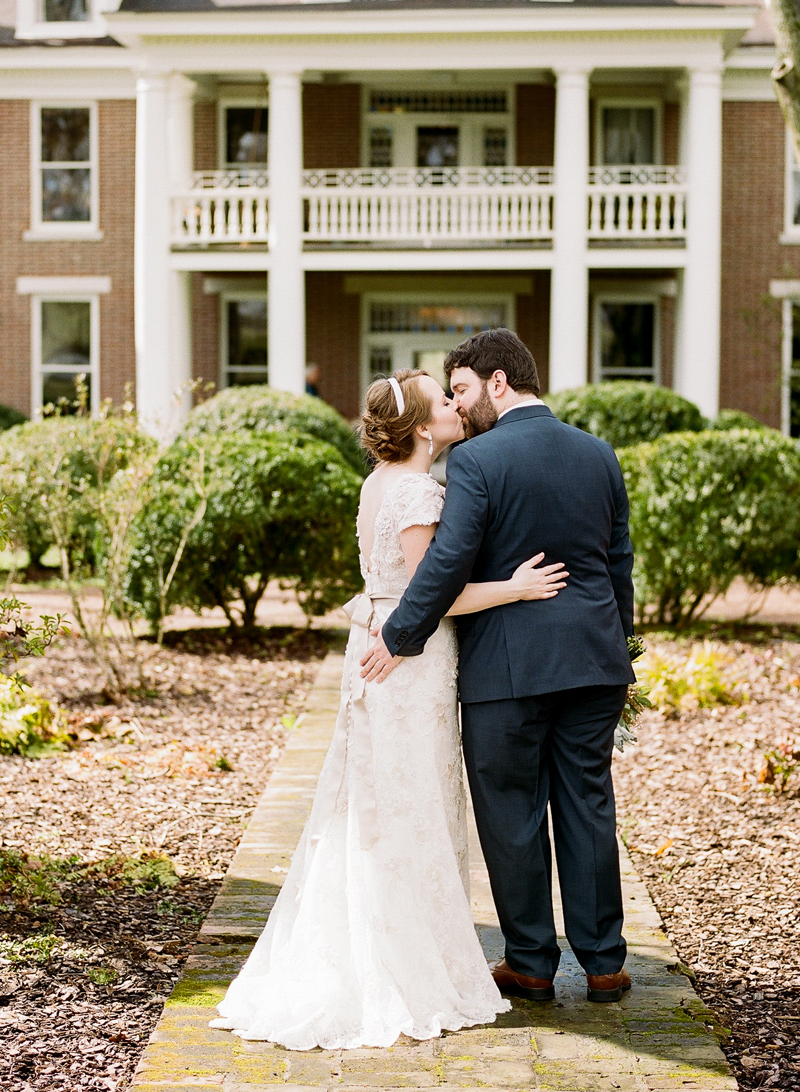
372	934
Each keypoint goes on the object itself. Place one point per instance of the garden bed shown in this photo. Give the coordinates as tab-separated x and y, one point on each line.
719	849
157	791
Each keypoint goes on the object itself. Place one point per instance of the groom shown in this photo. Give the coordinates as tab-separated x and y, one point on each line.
542	683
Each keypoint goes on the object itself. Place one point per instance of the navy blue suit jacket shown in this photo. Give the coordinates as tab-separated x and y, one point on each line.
530	484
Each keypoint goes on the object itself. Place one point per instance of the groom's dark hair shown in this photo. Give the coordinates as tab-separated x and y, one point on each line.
496	350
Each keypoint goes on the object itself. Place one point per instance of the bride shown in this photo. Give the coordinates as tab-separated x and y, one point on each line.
372	936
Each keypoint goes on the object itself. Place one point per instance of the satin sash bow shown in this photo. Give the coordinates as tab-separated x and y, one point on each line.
352	738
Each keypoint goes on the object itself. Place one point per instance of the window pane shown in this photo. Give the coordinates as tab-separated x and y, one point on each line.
66	334
437	146
430	318
66	194
793	378
629	135
246	134
247	341
65	11
65	135
59	389
380	147
626	338
796	195
495	143
380	361
432	362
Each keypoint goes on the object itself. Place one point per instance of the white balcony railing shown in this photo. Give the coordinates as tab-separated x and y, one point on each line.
452	205
222	207
637	203
447	206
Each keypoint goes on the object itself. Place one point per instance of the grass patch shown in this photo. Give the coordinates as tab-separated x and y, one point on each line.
29	880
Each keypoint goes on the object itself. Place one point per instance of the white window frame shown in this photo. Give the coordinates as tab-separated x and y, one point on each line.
625	296
37	368
87	230
791	231
786	361
226	297
607	101
470	126
248	102
32	24
407	343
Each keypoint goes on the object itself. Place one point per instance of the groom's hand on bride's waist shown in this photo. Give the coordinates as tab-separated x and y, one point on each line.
378	662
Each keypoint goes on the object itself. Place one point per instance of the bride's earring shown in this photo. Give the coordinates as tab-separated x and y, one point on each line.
430	445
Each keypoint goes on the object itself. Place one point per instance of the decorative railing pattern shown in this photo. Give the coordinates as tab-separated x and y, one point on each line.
419	206
423	206
637	203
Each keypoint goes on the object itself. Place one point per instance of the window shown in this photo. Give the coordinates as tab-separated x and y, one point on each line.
790	407
65	345
409	331
380	146
626	339
244	339
66	11
66	19
437	146
792	203
495	145
245	135
64	182
628	134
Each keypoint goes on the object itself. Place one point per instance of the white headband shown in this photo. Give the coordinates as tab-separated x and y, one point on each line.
398	396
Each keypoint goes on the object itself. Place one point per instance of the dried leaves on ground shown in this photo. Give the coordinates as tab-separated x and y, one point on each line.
709	805
154	794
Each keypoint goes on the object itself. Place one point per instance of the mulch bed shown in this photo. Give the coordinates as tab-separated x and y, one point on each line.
720	850
175	773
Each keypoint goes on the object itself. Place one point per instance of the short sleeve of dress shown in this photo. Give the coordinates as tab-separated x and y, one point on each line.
418	502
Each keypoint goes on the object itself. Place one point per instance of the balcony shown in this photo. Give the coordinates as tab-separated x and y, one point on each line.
442	207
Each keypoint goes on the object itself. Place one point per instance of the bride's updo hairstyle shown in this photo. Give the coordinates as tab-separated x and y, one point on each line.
387	434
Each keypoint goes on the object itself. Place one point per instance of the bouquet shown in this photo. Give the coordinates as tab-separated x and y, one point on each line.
637	701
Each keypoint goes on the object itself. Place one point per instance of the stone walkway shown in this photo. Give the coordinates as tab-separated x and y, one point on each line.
659	1038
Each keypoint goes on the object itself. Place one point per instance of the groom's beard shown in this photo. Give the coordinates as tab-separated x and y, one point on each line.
481	417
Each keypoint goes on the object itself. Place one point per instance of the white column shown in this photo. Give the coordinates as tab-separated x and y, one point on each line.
569	303
697	365
181	163
286	290
162	321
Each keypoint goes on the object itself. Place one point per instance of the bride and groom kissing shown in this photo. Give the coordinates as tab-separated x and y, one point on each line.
510	592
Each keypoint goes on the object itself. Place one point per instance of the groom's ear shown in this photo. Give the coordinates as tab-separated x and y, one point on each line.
498	384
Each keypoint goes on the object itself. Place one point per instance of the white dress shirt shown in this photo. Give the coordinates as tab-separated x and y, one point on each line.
519	405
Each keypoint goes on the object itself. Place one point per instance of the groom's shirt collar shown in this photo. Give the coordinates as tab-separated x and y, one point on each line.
519	405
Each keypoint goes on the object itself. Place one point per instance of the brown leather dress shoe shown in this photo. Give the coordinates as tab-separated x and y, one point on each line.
607	987
521	985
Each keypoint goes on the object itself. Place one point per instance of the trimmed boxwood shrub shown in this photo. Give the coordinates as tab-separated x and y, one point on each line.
261	409
10	417
707	507
625	412
734	418
279	506
79	453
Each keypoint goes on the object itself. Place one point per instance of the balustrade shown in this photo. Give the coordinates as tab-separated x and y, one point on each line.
637	203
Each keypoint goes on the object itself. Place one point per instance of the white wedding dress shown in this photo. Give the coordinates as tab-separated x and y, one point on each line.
372	934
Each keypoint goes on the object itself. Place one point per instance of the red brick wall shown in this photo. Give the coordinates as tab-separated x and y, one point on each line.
752	222
331	125
533	322
205	333
205	136
333	339
535	124
111	257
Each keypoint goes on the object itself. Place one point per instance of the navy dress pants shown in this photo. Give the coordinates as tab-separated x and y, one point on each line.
521	754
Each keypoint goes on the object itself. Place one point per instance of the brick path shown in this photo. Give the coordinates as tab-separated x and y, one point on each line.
659	1038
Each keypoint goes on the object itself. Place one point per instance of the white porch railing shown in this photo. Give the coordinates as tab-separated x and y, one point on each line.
222	207
637	203
426	205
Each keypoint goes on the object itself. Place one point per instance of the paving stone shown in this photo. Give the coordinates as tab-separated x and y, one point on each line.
654	1040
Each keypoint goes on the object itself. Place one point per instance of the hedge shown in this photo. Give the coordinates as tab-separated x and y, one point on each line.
279	506
625	412
707	507
261	409
10	417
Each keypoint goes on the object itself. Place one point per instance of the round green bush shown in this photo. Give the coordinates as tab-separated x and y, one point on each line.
261	409
734	418
10	417
279	506
707	507
625	412
60	462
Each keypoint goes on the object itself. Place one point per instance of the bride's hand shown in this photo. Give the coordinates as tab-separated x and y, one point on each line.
530	582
